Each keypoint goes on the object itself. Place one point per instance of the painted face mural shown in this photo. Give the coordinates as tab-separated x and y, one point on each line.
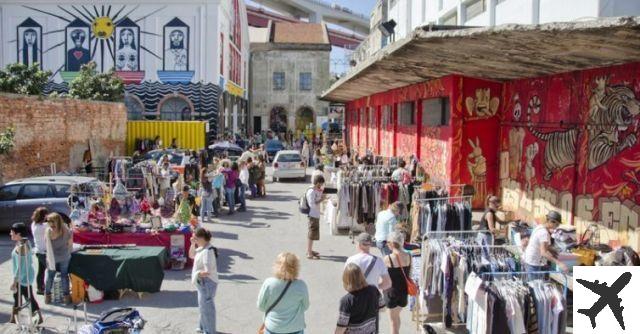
127	54
78	54
177	39
30	51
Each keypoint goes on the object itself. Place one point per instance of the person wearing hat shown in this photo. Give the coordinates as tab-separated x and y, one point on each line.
372	267
538	252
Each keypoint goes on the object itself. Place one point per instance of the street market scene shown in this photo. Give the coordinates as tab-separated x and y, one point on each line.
303	166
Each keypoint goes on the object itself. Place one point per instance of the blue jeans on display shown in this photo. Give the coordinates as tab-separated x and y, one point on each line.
206	205
206	303
63	268
230	194
485	239
384	249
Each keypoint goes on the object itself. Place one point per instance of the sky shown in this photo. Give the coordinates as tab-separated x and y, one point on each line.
338	55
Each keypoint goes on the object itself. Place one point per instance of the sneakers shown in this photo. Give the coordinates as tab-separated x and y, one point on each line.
47	299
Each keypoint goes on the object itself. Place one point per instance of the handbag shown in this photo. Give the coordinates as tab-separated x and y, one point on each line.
412	288
262	328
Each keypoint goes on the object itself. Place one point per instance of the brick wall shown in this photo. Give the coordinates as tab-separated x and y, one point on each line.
59	131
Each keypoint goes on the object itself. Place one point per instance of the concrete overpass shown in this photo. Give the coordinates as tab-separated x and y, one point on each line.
317	11
259	17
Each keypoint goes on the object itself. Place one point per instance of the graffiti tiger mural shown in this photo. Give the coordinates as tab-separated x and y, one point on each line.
612	110
560	150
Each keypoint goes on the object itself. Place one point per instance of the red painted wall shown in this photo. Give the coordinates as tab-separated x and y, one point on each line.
570	143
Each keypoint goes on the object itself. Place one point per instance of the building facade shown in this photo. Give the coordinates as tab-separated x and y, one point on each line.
289	71
179	61
547	126
411	14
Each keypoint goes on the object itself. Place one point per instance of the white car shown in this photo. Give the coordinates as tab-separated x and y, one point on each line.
288	165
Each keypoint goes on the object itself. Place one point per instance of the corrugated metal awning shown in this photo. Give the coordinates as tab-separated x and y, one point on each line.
498	53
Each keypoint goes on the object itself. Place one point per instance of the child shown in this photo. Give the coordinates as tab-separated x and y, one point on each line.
23	273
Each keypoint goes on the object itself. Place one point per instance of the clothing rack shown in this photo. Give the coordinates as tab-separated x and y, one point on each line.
516	273
466	197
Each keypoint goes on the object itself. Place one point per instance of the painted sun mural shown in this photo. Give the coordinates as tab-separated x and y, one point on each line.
98	33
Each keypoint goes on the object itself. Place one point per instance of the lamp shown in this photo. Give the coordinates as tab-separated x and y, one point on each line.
387	28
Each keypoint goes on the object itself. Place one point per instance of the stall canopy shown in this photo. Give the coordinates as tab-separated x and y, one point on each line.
497	53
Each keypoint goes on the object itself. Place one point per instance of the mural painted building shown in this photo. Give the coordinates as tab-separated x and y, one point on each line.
180	61
548	126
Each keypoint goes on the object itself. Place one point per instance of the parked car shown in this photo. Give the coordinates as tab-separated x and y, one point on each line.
272	147
18	199
288	164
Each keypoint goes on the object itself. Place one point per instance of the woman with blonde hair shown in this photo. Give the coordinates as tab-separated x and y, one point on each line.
284	298
359	307
399	267
59	243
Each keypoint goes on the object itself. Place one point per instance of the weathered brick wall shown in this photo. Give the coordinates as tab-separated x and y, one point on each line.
59	131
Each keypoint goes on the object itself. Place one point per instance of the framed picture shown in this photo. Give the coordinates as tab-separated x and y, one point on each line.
176	46
77	45
29	42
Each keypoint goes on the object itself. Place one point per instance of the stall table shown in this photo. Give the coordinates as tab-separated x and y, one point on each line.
160	239
140	269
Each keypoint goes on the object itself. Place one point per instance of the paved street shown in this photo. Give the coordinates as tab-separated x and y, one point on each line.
248	243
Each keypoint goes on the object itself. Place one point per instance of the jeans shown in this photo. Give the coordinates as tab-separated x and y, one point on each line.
384	249
206	303
206	205
230	194
529	268
266	331
42	269
254	190
242	194
485	239
63	268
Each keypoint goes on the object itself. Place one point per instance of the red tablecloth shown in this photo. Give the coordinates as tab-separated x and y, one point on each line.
162	239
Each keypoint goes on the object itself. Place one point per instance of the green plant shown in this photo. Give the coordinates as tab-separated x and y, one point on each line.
23	79
7	140
91	85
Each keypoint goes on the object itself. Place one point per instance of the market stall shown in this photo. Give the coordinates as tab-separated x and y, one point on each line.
140	269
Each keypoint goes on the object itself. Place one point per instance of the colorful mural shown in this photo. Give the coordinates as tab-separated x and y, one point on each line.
576	149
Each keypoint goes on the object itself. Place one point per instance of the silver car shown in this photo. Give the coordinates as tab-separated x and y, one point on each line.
19	198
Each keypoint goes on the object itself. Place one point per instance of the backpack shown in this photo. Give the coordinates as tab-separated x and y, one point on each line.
303	203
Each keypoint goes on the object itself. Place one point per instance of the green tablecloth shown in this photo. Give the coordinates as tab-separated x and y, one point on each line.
140	269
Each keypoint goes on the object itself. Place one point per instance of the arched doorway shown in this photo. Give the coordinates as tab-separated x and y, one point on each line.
304	117
278	120
175	108
135	108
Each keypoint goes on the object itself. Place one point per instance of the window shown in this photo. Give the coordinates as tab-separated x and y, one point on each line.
9	193
407	114
435	112
222	55
305	81
236	71
387	116
236	32
450	20
372	118
32	191
62	190
278	80
474	8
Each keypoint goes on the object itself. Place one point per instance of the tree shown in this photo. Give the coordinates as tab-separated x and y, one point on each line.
7	140
91	85
23	79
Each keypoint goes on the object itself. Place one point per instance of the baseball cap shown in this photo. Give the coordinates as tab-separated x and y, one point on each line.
554	215
364	238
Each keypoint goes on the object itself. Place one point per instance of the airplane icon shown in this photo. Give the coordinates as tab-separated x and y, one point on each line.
608	296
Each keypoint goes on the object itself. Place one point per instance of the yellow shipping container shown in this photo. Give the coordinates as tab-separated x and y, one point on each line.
190	134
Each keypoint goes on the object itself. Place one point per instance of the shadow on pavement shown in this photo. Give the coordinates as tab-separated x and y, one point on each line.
339	259
225	235
225	259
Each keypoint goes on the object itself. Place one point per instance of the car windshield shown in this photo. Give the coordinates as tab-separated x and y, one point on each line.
289	157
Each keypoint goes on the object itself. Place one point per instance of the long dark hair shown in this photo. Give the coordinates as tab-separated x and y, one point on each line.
133	39
25	47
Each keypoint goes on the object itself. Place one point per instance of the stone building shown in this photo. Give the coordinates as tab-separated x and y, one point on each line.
182	60
289	71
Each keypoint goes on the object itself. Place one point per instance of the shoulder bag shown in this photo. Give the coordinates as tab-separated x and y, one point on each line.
370	267
412	288
262	328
